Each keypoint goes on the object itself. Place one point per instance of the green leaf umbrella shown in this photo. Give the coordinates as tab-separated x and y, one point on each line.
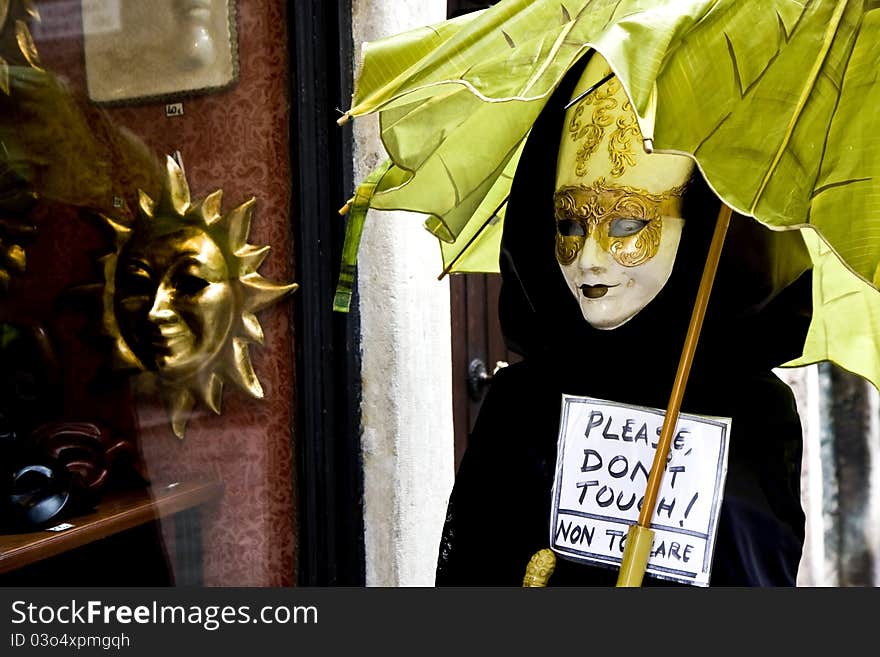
775	100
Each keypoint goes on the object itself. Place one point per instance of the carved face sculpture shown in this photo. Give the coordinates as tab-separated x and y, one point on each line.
174	299
181	293
617	208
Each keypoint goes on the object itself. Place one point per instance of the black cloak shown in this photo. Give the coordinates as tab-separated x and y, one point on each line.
498	513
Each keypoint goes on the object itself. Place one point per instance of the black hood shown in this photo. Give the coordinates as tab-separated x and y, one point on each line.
751	323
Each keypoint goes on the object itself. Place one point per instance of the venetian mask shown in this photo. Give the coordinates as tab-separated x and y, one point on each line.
617	208
180	296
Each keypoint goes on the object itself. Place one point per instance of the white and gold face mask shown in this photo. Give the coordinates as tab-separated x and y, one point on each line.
617	208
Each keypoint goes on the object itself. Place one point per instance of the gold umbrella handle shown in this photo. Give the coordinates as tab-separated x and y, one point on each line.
540	569
640	537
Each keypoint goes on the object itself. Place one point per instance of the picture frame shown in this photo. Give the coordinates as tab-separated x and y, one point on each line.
161	50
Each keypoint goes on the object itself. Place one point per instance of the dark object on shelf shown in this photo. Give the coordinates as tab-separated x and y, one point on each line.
35	496
50	468
93	457
62	469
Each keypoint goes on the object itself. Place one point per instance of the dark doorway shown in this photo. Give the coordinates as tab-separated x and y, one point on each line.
327	433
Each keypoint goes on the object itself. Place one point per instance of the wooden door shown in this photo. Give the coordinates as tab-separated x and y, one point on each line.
477	348
477	341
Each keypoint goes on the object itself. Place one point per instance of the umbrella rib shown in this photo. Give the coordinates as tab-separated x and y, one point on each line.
712	133
473	238
745	90
613	13
451	180
534	79
785	35
589	91
842	183
839	89
834	25
551	56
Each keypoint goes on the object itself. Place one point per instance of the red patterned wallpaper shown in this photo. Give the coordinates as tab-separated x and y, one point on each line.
237	140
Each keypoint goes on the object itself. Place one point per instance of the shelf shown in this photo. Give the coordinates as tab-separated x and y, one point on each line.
115	513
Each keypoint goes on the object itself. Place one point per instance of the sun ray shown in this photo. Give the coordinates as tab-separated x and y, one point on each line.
251	257
252	328
26	44
262	292
243	369
180	403
32	10
240	224
175	197
209	208
146	204
121	233
213	392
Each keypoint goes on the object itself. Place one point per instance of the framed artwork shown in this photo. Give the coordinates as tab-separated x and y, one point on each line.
138	51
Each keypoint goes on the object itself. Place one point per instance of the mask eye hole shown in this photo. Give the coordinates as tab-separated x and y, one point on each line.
625	226
570	228
189	284
135	280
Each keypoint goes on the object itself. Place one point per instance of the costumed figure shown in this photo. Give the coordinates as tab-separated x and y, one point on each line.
601	258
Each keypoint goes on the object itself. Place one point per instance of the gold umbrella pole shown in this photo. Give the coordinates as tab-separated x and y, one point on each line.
640	536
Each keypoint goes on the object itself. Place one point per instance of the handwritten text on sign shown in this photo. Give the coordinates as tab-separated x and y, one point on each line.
605	454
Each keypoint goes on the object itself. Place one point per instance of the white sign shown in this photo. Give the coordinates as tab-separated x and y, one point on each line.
604	458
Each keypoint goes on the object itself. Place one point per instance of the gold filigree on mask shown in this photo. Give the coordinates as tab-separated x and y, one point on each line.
620	149
603	102
567	247
588	211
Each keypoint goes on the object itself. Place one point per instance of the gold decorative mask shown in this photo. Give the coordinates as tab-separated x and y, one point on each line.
626	222
617	208
180	296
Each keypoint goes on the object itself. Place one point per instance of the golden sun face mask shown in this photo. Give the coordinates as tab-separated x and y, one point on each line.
180	296
174	300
